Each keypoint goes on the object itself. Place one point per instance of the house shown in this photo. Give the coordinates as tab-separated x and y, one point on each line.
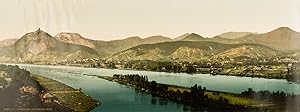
47	98
8	80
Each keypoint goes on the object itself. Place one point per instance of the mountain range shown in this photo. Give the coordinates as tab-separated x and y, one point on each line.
39	46
109	47
193	51
236	35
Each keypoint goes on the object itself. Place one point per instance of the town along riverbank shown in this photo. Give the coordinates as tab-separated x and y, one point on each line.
270	69
197	98
71	98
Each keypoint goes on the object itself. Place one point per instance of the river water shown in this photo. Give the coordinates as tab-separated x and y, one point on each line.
119	98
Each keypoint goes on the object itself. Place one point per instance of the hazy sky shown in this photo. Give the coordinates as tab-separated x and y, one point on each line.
115	19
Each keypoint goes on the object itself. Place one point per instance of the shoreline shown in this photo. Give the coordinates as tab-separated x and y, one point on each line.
241	75
237	74
67	96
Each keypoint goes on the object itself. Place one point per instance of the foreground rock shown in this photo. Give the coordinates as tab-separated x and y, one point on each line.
20	91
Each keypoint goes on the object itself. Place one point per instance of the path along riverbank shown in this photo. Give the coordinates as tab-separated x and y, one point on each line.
67	96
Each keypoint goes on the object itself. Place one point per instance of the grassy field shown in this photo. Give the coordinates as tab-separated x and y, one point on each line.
232	98
66	95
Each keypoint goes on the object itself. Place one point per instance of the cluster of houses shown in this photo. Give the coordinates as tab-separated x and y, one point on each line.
5	81
29	90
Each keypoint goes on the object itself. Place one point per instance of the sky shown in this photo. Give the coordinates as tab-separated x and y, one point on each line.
117	19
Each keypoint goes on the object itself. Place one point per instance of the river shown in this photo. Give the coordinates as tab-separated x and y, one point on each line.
115	97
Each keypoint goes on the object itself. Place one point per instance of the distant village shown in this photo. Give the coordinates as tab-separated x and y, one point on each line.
275	67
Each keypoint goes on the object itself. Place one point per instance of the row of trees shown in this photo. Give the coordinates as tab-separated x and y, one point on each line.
294	73
289	102
197	98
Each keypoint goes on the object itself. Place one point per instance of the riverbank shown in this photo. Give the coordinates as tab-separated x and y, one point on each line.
266	71
67	96
224	100
261	71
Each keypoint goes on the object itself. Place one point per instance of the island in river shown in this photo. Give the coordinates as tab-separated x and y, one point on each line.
22	91
201	99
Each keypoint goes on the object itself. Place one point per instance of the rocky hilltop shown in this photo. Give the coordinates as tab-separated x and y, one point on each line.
39	46
189	37
282	38
74	38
